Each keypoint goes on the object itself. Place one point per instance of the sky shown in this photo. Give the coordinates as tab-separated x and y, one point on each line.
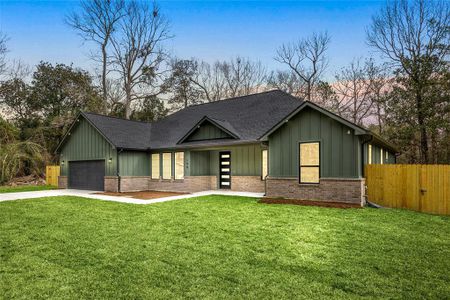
208	30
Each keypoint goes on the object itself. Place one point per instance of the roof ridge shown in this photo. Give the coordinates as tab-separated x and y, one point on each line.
114	117
238	97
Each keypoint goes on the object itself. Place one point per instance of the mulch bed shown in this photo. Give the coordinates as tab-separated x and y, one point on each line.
145	195
308	203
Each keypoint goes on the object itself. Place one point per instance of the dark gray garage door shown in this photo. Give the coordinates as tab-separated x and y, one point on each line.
87	175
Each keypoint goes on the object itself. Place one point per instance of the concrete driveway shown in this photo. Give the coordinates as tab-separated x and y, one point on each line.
122	199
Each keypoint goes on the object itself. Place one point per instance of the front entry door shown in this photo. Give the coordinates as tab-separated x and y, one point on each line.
225	170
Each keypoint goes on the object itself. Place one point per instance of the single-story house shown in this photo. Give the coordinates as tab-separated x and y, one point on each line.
269	142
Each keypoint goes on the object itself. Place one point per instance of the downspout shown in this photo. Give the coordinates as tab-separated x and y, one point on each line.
265	185
118	168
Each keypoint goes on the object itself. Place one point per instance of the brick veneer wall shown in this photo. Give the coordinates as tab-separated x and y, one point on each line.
252	184
335	190
111	184
189	184
134	183
62	182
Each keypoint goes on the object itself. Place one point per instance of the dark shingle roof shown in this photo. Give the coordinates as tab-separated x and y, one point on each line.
248	117
122	133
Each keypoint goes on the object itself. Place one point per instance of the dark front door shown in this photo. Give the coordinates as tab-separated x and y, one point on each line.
87	175
225	169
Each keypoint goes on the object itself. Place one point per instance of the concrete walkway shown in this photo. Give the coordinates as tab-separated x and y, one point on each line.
124	199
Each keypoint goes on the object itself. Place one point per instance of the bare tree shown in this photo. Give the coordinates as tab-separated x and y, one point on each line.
96	23
18	69
286	81
3	50
306	59
380	86
243	76
414	36
138	51
210	80
223	79
353	89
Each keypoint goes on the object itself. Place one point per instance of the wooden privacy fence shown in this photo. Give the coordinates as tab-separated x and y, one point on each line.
424	188
51	175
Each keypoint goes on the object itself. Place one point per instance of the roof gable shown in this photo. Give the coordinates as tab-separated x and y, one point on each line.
73	128
358	130
209	129
120	133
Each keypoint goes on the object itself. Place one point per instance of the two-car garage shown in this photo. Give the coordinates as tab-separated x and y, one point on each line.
87	175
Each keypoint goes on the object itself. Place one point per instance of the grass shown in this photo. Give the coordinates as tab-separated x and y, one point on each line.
219	247
25	188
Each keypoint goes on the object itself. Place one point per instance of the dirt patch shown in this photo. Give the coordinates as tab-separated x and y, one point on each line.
145	195
26	180
308	203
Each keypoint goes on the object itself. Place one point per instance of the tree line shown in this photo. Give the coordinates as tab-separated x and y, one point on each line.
405	99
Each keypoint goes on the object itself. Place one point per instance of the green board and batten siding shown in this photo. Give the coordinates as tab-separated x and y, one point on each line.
86	143
207	131
134	163
340	149
376	155
245	161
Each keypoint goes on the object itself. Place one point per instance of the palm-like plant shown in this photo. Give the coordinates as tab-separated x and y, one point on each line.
21	158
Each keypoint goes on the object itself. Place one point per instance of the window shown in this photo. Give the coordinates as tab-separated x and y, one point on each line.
369	155
381	156
309	162
264	164
167	165
155	166
179	165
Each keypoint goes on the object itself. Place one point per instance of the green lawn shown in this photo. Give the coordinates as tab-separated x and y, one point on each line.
219	247
25	188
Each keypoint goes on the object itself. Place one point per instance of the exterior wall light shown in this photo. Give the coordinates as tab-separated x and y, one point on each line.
110	160
62	163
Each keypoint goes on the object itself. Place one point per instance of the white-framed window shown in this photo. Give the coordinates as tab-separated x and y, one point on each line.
381	156
155	166
369	154
309	167
264	164
167	165
179	165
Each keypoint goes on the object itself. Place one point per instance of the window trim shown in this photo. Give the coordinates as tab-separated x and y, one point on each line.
300	166
175	165
162	165
159	166
267	163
